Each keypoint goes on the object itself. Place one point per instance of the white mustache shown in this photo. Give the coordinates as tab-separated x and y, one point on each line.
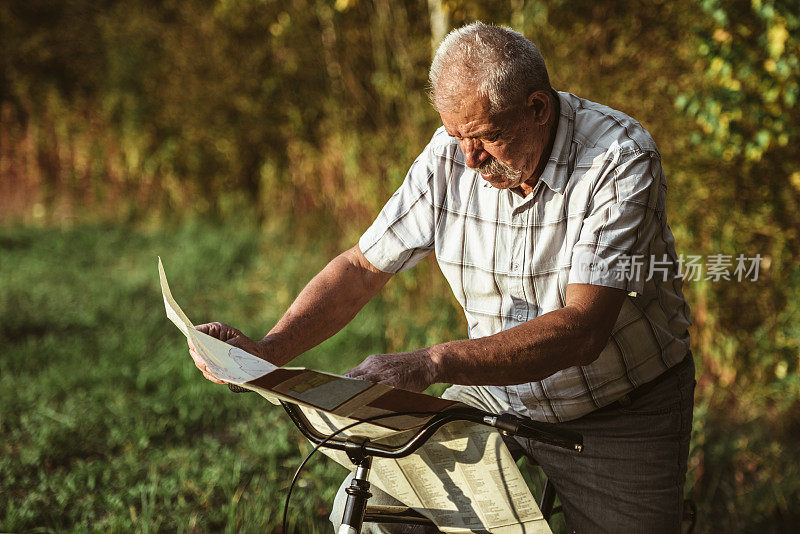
497	167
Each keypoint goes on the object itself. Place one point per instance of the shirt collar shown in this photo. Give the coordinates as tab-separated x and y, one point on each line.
556	172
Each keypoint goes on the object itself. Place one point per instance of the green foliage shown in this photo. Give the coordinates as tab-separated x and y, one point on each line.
744	101
212	106
750	52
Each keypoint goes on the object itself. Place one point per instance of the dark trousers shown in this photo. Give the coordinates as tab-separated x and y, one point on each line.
630	477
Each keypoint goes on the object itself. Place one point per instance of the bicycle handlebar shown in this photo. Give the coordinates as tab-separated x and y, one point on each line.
506	423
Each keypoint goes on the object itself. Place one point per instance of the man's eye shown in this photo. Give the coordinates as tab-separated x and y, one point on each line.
491	138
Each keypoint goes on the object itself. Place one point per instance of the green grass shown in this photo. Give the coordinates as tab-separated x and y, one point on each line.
106	423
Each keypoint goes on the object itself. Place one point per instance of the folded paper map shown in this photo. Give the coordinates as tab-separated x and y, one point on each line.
464	479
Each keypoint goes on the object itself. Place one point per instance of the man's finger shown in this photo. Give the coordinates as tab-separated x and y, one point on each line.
212	329
219	330
213	378
206	373
198	361
366	375
354	372
201	365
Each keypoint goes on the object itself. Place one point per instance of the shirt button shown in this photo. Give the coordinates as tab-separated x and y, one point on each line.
514	266
520	317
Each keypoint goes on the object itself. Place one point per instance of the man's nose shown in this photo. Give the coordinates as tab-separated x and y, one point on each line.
474	154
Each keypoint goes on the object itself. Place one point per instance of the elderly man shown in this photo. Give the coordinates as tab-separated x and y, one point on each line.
546	213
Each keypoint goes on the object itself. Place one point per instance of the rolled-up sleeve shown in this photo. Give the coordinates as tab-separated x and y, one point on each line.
403	233
621	222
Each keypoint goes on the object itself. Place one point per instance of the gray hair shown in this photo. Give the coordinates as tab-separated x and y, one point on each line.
495	62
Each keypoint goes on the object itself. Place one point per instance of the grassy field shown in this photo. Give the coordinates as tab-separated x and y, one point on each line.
106	423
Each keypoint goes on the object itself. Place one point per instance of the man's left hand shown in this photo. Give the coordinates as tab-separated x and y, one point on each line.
413	371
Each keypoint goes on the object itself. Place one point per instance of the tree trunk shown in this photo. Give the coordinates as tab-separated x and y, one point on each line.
440	23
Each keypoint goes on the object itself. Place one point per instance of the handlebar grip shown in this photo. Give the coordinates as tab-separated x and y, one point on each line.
238	389
543	432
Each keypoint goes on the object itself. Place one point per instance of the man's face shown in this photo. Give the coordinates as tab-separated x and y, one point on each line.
503	148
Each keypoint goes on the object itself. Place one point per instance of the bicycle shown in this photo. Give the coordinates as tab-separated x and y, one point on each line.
361	450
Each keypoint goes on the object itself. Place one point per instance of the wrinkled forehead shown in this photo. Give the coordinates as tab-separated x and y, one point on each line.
470	111
464	107
472	118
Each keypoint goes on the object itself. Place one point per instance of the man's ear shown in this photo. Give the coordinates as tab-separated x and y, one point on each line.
540	105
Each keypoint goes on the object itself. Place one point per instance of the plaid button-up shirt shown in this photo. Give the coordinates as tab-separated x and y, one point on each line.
596	216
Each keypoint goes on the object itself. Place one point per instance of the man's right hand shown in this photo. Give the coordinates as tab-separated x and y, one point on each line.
229	335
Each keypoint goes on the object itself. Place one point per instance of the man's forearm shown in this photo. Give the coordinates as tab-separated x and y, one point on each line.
327	303
527	352
572	335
